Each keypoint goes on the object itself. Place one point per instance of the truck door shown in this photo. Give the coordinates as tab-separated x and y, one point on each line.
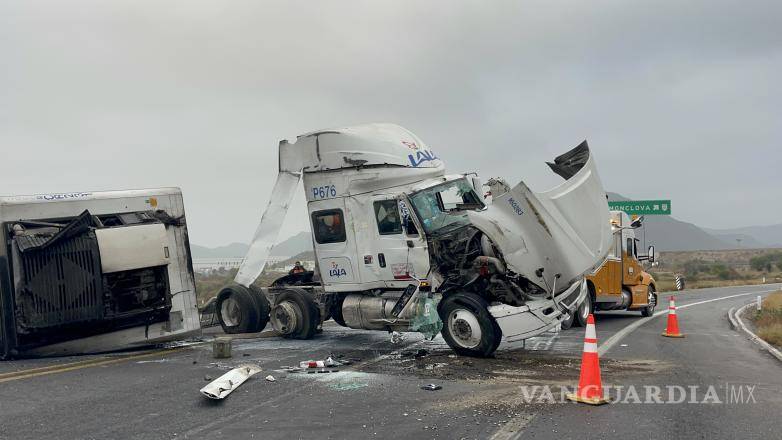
335	247
399	253
614	266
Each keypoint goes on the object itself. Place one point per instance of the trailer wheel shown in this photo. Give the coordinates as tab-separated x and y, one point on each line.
584	310
238	311
295	315
468	327
651	299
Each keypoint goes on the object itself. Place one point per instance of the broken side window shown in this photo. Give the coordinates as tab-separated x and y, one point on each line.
328	226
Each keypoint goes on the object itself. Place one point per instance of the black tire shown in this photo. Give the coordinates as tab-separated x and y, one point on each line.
264	308
307	314
238	311
466	311
652	298
584	310
336	312
568	322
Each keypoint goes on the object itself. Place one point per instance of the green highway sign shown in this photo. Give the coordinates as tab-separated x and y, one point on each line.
642	207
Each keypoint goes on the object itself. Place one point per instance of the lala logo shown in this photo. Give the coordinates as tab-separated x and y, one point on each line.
337	271
420	157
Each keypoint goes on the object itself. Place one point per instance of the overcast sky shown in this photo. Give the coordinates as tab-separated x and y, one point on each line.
678	100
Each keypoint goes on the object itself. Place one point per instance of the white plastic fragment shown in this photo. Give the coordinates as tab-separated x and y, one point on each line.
270	378
225	384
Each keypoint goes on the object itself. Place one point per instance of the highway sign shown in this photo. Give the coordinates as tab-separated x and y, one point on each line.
642	207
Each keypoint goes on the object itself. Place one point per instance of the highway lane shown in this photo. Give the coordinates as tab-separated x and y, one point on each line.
711	354
156	396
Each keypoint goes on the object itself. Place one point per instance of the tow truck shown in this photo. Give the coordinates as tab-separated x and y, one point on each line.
402	246
621	283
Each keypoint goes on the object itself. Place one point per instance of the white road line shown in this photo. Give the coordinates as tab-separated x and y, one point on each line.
613	340
755	338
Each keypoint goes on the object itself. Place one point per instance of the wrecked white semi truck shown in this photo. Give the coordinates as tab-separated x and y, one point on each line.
94	271
401	246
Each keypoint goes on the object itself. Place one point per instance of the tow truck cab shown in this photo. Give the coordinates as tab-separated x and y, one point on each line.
621	283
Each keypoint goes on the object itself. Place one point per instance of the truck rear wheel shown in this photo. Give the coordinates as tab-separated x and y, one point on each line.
468	327
240	310
584	310
651	299
295	315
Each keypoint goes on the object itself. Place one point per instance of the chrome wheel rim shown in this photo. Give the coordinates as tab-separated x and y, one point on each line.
464	328
286	317
585	308
229	312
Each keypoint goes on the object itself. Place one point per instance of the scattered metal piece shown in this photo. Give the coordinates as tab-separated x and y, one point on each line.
225	384
431	387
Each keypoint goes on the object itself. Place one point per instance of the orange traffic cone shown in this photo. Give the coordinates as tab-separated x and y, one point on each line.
590	386
672	330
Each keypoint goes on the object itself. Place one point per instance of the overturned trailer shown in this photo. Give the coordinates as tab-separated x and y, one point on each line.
402	246
94	271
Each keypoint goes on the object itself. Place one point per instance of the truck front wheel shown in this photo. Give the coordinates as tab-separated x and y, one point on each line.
651	298
468	327
583	311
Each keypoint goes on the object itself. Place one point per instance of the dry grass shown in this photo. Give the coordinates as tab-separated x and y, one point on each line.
769	320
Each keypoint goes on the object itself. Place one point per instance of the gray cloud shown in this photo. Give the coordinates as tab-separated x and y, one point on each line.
677	99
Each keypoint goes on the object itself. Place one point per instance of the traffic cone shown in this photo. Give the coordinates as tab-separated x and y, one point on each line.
590	386
672	330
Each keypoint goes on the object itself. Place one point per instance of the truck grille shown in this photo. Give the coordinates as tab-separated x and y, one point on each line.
61	284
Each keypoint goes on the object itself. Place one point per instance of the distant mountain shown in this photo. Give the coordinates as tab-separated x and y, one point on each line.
233	250
766	236
301	242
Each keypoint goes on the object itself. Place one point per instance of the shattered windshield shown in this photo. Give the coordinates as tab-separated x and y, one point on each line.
443	206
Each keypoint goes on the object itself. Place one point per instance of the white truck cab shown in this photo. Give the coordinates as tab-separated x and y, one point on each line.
394	236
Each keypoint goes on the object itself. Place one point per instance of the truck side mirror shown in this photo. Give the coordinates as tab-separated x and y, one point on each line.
637	222
651	254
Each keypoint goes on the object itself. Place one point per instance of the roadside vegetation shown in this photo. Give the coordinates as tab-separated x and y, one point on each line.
703	269
769	320
209	285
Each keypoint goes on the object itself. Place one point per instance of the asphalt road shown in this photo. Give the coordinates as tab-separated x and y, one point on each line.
151	395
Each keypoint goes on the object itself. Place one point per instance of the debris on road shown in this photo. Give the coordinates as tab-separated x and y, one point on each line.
431	387
421	352
397	337
221	348
222	386
270	378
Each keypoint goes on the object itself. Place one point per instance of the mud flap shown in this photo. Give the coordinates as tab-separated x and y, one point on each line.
538	316
228	382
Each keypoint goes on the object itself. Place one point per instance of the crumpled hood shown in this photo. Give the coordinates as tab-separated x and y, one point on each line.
565	230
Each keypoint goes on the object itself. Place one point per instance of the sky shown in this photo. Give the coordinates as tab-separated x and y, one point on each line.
678	100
